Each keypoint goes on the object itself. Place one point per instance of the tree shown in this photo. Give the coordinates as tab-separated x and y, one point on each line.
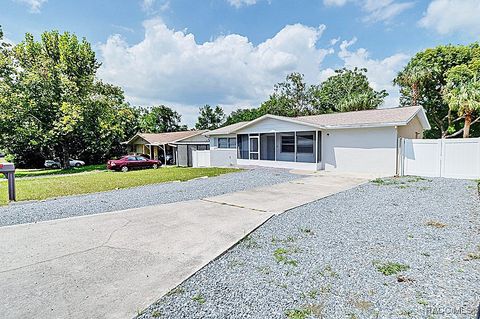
462	93
293	97
160	119
414	77
434	64
209	118
348	90
54	107
242	115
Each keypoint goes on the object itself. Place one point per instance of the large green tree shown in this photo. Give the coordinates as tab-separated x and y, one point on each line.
160	119
292	97
54	107
423	81
210	118
243	115
348	90
462	94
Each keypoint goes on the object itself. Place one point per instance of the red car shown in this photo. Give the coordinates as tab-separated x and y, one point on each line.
129	162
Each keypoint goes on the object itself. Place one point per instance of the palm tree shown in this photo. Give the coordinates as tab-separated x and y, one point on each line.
414	77
464	98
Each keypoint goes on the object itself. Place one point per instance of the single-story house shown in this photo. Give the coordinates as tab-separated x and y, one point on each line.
361	141
177	147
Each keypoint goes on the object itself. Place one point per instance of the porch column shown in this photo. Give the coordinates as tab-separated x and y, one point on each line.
295	146
316	147
164	154
275	146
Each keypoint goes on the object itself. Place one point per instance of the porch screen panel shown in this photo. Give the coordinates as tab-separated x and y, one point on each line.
242	146
319	147
267	147
286	147
306	147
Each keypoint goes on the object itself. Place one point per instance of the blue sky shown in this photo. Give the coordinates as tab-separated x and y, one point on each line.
230	52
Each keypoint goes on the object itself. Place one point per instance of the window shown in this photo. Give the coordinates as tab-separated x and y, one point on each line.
305	143
288	144
131	158
224	142
232	143
140	158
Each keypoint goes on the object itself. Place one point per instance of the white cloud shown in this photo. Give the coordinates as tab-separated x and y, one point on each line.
150	6
241	3
380	72
376	10
170	67
337	3
449	16
35	5
384	10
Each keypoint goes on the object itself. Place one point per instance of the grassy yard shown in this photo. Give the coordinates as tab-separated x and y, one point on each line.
19	173
55	186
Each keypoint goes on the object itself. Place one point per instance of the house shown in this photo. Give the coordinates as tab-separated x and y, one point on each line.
361	141
177	147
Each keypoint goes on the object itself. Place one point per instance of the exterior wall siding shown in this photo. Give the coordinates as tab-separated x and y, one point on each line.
365	150
272	125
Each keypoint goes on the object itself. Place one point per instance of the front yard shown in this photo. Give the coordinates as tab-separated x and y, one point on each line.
98	181
394	248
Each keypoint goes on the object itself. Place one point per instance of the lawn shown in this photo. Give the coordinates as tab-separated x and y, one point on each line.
99	181
19	173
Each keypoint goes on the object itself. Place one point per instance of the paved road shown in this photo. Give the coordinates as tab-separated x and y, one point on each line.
113	265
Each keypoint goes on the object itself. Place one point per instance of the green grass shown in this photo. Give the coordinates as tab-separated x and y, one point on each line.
390	268
56	186
19	173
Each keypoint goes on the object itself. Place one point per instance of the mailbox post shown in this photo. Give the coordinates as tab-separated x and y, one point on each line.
9	171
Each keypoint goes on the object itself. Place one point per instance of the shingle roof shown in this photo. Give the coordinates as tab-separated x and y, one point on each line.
227	129
166	138
391	116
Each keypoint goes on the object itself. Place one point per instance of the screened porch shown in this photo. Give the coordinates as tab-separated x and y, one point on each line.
292	147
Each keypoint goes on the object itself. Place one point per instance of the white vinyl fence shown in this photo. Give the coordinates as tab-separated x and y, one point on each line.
201	158
452	158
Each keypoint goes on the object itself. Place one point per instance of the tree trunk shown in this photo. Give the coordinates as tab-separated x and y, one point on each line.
65	159
466	127
415	94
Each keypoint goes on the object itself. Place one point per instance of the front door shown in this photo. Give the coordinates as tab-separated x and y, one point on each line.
254	147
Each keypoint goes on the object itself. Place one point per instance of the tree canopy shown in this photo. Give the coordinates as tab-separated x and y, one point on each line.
424	79
160	119
347	90
54	107
210	118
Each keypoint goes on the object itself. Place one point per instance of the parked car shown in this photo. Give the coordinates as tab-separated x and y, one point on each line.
56	164
129	162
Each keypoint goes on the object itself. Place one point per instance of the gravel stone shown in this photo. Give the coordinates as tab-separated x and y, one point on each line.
320	260
69	206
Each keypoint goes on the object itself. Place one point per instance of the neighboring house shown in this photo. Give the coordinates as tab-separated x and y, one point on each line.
177	146
362	141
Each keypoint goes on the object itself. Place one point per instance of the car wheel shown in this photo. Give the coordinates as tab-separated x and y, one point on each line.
78	165
155	166
55	166
125	169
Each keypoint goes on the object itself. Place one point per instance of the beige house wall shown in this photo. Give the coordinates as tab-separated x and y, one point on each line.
413	130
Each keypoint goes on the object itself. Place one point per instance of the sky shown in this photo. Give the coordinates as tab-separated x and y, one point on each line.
186	54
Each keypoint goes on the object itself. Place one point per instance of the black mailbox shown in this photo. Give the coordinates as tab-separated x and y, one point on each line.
8	170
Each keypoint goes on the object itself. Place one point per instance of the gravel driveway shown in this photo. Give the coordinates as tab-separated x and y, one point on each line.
62	207
397	248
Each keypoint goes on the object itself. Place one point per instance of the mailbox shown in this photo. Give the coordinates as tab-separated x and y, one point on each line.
8	170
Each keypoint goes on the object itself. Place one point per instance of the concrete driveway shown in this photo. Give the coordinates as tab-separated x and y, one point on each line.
113	265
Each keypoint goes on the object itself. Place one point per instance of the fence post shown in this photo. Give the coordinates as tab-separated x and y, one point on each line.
400	149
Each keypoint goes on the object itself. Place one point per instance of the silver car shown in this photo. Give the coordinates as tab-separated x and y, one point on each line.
56	164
